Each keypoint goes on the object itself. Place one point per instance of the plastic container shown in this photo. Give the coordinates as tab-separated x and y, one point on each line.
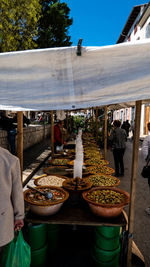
37	236
51	227
105	242
108	231
113	263
105	256
39	257
53	232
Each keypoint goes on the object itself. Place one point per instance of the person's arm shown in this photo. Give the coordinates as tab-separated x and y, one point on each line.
110	138
125	135
17	196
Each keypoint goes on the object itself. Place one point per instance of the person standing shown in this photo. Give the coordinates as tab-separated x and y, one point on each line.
7	124
11	198
57	135
118	138
126	126
146	156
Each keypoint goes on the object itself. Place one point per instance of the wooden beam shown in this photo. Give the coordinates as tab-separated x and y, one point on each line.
52	133
133	179
146	119
105	133
67	114
20	139
96	125
62	132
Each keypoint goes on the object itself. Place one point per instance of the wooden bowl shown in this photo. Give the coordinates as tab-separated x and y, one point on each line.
45	208
59	161
50	178
58	170
68	186
95	169
106	210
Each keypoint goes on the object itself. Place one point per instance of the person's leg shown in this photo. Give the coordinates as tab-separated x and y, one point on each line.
55	148
116	161
12	141
121	154
147	210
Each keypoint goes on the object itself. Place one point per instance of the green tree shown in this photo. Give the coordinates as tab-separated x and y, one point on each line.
54	24
18	24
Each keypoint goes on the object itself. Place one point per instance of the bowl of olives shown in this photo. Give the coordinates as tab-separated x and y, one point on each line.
105	201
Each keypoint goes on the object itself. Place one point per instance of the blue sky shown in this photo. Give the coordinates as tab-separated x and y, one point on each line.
98	22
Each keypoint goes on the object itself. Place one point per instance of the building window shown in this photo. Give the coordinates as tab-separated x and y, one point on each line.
135	28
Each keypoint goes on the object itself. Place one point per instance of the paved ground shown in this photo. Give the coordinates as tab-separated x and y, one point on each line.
32	157
141	234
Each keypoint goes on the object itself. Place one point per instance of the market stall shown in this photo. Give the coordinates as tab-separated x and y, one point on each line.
56	79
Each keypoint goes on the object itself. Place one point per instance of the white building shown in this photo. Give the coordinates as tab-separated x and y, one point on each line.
136	28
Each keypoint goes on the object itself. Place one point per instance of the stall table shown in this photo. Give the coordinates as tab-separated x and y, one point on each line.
80	214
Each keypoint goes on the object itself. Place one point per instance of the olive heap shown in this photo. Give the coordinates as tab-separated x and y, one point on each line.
106	196
60	161
102	180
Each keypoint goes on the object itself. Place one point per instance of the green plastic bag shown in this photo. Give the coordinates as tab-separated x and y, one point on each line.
17	253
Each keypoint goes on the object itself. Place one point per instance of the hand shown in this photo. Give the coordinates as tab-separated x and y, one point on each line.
18	224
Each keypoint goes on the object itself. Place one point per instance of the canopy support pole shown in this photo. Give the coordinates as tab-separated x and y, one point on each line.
105	133
20	139
67	121
62	127
96	125
133	179
93	120
52	134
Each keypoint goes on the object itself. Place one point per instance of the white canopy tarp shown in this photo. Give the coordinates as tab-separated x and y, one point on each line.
57	79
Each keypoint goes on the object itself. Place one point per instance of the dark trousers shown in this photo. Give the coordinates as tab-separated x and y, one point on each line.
12	140
118	154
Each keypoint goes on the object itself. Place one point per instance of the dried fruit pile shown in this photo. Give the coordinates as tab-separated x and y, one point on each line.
51	180
76	184
37	198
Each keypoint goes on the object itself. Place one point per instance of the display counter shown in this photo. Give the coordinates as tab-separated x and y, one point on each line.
79	214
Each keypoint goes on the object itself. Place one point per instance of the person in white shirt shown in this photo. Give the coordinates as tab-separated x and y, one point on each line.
11	198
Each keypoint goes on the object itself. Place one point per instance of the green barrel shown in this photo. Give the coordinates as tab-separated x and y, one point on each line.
113	263
53	232
105	257
106	243
37	236
108	231
39	257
